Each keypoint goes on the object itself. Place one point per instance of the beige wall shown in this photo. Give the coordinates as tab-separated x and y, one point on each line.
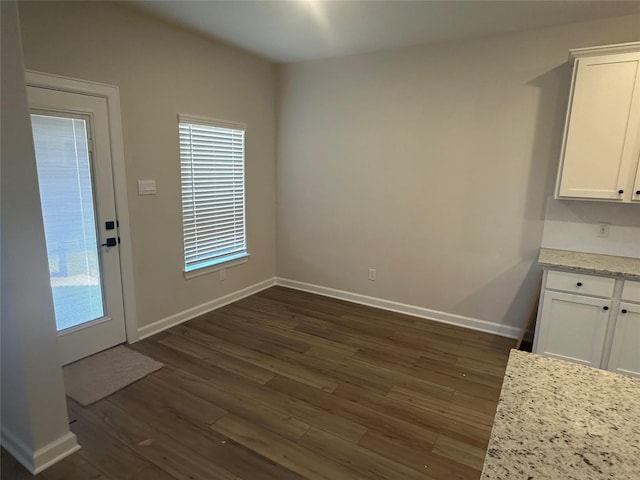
161	71
34	412
430	164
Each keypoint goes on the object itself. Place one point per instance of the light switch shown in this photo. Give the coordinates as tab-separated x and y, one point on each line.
146	187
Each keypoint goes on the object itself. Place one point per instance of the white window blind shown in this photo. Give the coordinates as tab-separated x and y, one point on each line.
213	206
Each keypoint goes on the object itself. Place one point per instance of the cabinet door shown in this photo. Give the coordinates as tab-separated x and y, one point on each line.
625	351
600	147
573	328
635	193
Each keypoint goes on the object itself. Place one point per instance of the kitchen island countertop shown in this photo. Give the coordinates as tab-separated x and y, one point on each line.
560	420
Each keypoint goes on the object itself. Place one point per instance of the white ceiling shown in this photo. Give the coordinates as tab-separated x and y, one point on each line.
295	30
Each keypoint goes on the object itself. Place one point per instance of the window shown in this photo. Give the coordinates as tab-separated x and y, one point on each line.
213	207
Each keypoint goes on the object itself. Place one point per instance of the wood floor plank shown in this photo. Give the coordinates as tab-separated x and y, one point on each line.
417	455
494	369
474	403
240	325
184	345
358	340
427	420
286	317
163	397
391	359
10	468
284	452
288	385
107	453
312	305
224	384
339	367
172	358
450	381
277	326
460	372
459	452
206	352
201	440
243	406
443	408
72	468
381	374
364	461
224	332
356	411
162	450
321	382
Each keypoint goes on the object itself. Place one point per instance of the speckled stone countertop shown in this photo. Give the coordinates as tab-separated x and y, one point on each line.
559	420
594	263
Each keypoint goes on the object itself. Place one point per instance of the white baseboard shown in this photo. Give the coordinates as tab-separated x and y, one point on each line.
54	452
42	458
420	312
181	317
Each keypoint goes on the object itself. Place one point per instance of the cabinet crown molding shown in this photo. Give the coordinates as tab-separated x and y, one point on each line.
576	53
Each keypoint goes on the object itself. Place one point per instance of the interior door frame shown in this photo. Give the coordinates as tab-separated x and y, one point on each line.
111	94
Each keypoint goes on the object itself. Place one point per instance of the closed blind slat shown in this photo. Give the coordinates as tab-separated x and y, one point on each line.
213	203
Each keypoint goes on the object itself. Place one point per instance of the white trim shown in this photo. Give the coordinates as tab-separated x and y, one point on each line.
111	94
54	452
181	317
67	84
244	258
603	50
43	457
18	450
214	122
415	311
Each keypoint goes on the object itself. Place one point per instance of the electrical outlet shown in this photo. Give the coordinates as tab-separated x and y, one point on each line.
372	274
223	275
603	230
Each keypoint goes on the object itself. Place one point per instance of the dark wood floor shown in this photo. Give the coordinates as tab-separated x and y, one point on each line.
288	385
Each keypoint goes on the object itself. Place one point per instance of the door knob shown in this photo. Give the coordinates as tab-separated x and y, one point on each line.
624	310
111	242
620	191
605	308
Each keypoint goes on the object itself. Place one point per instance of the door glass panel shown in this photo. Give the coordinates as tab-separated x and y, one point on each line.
66	193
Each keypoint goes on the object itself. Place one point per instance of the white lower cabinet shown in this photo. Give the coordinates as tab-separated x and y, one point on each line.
625	350
600	328
574	328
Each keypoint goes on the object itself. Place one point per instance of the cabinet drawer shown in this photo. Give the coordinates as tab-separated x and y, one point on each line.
580	283
631	291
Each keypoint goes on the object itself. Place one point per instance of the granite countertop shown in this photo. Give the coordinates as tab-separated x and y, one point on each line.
560	420
609	265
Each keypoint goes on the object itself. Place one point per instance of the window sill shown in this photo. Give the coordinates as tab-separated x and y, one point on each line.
222	264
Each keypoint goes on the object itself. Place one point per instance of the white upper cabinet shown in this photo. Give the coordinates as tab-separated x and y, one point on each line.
601	148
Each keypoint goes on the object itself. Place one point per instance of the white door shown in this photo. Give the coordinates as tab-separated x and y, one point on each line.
625	351
71	137
573	328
